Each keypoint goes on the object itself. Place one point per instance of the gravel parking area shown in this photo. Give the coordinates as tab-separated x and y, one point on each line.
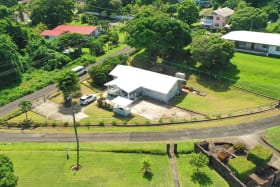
54	111
153	110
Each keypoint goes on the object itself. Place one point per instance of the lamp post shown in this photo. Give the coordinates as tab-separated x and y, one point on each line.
76	134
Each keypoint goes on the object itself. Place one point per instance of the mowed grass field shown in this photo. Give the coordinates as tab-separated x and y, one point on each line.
220	99
272	136
207	177
262	73
103	164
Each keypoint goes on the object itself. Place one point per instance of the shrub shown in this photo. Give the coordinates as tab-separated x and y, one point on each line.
242	167
54	124
239	147
101	123
147	122
66	124
260	155
160	121
114	123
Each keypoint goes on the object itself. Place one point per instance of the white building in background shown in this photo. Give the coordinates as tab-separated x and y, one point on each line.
255	42
133	83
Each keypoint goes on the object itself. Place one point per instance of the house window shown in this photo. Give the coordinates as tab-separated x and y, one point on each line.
217	25
218	18
264	46
278	48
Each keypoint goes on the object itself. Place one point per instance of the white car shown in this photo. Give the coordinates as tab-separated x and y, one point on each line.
86	99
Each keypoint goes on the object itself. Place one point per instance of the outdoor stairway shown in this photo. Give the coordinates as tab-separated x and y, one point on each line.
173	164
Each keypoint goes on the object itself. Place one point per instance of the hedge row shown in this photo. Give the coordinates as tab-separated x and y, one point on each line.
242	167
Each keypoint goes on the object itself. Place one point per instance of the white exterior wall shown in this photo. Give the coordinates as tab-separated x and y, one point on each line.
272	50
160	96
155	95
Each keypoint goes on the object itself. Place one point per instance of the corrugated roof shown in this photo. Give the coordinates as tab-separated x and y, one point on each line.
130	78
57	31
254	37
225	12
52	33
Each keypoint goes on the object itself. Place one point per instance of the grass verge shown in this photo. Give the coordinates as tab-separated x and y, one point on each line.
272	136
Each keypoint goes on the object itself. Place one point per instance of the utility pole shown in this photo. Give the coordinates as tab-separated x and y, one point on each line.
76	134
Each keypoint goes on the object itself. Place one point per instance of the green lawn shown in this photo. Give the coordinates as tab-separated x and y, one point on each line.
50	168
262	73
97	115
272	136
45	164
220	98
35	117
187	176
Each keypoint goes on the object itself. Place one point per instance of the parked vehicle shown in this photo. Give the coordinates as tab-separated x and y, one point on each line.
86	99
79	70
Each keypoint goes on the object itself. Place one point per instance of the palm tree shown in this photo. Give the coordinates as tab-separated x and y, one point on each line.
25	106
67	84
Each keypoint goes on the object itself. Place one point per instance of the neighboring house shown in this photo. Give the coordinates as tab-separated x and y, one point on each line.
255	42
216	19
133	83
203	3
62	29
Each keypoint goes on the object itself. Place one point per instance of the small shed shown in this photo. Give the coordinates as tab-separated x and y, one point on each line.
121	106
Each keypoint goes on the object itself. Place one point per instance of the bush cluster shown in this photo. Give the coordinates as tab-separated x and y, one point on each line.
100	74
260	155
101	103
242	167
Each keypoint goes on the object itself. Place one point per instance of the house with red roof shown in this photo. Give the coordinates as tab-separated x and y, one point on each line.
62	29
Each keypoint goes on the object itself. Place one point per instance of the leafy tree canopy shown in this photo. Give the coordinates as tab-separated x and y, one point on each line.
9	60
18	33
158	33
249	18
212	51
188	11
4	11
68	83
51	12
199	160
7	178
8	3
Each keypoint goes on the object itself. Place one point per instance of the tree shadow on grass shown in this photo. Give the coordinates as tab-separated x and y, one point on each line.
219	79
201	178
148	175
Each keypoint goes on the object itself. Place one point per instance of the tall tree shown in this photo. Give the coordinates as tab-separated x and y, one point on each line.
17	32
68	83
188	11
158	33
212	51
25	106
52	12
7	177
249	18
8	3
4	11
9	59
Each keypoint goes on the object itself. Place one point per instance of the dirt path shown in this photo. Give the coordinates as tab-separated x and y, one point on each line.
174	166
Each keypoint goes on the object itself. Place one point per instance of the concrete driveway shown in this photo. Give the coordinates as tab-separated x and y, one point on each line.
153	110
53	111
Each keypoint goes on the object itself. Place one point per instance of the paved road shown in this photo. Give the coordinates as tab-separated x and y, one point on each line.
238	130
49	89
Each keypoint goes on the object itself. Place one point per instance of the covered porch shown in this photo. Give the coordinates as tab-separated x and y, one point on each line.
130	92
